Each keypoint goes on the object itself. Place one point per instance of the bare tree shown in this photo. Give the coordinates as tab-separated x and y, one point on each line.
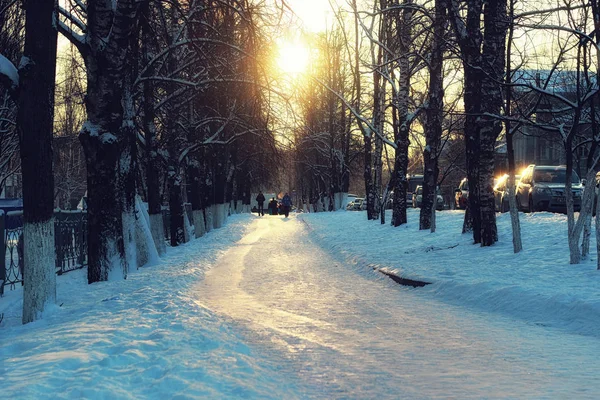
483	55
36	97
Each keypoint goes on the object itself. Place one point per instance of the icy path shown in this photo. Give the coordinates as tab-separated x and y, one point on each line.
142	338
347	333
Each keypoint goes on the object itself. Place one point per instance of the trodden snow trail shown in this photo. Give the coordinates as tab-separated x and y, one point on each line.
349	333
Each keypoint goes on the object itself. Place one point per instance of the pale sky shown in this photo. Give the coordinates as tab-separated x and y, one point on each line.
313	13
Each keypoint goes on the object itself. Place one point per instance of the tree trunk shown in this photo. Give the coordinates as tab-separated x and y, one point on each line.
403	24
105	53
151	155
36	98
433	124
494	50
510	152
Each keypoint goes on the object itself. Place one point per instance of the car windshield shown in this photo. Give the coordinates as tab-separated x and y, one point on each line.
554	176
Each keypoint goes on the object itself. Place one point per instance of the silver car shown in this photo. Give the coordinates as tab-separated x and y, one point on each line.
417	199
542	188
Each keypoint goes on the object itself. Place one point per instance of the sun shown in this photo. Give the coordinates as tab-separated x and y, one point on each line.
293	58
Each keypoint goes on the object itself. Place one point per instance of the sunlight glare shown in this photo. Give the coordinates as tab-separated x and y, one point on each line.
293	58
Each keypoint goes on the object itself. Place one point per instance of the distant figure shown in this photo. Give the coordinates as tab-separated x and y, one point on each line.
260	199
273	206
286	202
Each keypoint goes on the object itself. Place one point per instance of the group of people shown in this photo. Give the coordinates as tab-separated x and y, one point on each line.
274	208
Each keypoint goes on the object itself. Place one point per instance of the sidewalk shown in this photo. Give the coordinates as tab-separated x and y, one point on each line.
538	285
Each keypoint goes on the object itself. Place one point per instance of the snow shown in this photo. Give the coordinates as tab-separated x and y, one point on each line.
9	70
272	307
537	285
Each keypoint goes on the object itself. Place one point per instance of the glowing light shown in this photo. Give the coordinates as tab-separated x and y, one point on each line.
312	13
293	58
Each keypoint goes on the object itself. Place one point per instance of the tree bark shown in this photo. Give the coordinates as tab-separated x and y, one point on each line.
105	54
433	122
36	98
151	159
403	24
510	152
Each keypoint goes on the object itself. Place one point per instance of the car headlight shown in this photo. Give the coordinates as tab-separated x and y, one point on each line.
543	190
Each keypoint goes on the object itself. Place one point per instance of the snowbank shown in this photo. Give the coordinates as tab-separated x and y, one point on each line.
538	285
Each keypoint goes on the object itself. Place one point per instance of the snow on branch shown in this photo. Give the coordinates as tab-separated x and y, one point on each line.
363	123
9	73
77	39
72	18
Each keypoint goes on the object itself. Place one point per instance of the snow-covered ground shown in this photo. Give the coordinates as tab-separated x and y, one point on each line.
537	285
276	308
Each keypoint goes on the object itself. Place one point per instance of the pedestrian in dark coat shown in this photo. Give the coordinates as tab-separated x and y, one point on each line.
286	202
273	206
260	199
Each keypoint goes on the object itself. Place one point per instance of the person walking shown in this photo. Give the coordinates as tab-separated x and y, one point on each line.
286	202
273	207
260	199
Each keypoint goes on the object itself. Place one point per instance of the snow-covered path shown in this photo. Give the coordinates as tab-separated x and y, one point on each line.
350	333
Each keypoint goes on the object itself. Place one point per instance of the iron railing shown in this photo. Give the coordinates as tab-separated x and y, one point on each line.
70	240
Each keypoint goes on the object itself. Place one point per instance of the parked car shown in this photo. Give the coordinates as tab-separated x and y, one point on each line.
413	181
461	195
501	193
542	188
355	205
417	198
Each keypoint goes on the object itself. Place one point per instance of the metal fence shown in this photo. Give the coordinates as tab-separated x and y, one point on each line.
70	240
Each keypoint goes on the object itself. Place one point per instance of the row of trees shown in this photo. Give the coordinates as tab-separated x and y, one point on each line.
442	72
175	103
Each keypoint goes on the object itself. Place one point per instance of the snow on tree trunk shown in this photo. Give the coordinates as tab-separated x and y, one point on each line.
140	247
341	199
35	118
587	233
208	215
147	251
225	210
188	225
199	224
514	213
129	240
39	272
217	218
587	205
576	227
157	230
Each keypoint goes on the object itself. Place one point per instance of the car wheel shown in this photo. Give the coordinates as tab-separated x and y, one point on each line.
531	207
